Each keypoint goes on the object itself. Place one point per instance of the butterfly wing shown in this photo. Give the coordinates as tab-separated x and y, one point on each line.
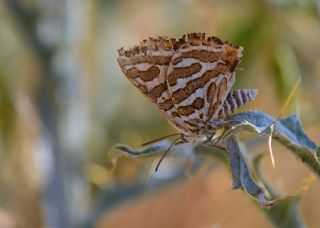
146	68
200	76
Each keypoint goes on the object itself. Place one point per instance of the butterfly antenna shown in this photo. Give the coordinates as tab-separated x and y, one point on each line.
165	153
159	139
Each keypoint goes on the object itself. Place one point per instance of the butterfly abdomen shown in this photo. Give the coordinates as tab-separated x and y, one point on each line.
236	99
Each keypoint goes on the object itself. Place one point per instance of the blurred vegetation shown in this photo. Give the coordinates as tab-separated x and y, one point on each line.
64	103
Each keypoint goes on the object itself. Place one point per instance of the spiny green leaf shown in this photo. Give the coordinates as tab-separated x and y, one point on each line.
287	131
242	178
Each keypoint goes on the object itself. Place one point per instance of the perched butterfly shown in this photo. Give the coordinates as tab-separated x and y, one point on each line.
189	79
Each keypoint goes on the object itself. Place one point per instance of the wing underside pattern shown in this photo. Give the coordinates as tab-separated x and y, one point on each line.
189	79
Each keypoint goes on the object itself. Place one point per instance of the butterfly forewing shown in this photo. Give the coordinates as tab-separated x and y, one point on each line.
146	67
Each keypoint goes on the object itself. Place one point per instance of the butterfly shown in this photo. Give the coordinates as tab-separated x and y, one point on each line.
189	79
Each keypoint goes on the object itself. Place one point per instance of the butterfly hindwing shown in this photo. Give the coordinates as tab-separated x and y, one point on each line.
199	77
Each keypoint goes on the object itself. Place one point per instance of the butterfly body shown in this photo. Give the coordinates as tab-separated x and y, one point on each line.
189	79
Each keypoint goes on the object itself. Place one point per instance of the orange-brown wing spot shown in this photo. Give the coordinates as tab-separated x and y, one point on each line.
158	90
210	127
189	109
183	72
197	83
231	57
192	129
190	124
221	115
222	89
142	88
202	55
148	75
234	65
166	105
198	103
179	95
175	114
154	60
210	92
184	128
186	110
177	60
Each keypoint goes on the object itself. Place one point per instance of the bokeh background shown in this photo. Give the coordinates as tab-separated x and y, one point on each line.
64	103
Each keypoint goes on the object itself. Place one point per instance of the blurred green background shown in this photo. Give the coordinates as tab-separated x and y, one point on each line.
64	102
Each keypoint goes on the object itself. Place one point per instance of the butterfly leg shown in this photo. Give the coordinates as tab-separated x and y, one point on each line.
210	142
227	125
213	144
214	125
221	136
210	136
